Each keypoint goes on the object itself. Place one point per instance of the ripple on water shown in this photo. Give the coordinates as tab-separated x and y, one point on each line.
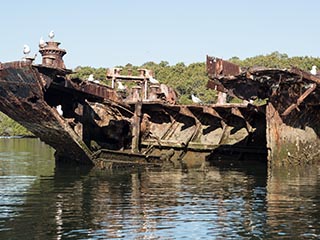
75	203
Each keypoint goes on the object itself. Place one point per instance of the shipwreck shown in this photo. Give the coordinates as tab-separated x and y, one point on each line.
106	125
291	110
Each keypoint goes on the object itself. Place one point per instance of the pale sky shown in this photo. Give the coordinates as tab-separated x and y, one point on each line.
107	33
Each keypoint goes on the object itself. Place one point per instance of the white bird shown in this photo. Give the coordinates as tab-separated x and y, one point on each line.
59	109
195	99
26	49
121	86
51	34
42	43
90	78
153	80
314	70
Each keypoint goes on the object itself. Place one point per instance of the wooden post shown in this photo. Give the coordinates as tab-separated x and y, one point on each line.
153	92
145	97
136	128
222	98
113	82
136	93
300	100
86	124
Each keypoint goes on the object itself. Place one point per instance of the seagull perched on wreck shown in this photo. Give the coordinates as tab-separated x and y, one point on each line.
26	49
51	34
121	86
195	99
313	70
91	78
42	43
59	110
153	80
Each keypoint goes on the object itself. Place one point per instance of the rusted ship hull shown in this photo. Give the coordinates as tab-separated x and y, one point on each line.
98	127
22	97
292	109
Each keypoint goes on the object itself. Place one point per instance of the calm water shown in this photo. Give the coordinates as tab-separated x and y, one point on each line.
40	201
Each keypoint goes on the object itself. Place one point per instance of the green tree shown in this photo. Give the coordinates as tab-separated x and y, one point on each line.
188	79
9	127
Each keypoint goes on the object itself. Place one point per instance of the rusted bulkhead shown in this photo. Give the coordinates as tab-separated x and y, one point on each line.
292	109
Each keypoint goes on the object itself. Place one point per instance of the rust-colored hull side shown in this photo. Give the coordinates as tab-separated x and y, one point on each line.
288	143
22	99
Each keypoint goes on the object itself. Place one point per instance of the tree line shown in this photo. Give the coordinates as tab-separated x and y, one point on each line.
192	78
185	79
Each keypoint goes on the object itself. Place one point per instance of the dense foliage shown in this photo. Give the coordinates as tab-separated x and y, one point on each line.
185	79
188	79
278	60
8	127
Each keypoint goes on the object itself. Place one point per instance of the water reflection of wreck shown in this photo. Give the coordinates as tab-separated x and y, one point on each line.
103	126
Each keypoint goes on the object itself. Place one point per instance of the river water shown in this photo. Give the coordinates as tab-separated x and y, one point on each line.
228	201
